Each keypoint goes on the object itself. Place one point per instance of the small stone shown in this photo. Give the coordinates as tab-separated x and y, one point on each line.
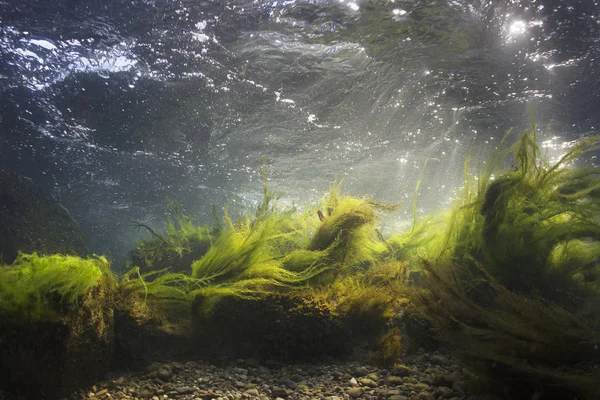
164	374
361	371
175	366
185	390
368	382
401	370
303	387
353	382
455	368
393	380
438	360
290	384
397	397
373	376
459	387
422	386
252	392
444	391
146	393
119	381
280	392
355	392
443	380
333	398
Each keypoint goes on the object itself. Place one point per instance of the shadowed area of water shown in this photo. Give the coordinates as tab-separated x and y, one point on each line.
111	106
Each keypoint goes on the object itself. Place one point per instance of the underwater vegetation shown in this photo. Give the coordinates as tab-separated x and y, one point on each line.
509	277
512	278
37	287
177	248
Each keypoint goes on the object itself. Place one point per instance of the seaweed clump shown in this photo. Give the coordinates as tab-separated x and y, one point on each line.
513	283
41	287
177	249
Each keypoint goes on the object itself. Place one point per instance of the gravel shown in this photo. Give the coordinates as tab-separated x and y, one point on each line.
420	377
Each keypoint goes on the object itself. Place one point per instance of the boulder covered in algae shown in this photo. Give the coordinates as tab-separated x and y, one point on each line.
49	358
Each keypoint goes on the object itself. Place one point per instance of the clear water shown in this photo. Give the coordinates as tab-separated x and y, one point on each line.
113	105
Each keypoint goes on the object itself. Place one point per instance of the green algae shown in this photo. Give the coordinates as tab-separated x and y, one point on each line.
175	250
511	277
38	287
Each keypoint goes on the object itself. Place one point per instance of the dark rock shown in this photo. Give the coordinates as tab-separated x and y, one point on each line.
164	374
401	370
151	330
32	221
280	392
290	384
278	328
444	379
50	359
185	390
437	359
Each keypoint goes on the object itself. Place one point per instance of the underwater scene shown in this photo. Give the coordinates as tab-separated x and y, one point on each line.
300	199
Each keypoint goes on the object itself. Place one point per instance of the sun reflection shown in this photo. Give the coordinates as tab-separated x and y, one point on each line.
515	29
351	4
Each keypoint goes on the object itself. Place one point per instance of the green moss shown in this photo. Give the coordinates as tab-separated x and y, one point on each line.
38	287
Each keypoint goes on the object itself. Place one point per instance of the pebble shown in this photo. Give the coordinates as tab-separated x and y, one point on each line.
437	359
361	371
164	374
355	392
280	392
368	382
421	377
393	380
401	370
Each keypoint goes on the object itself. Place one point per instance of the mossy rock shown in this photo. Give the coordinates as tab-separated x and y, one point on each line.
32	221
277	327
49	359
153	330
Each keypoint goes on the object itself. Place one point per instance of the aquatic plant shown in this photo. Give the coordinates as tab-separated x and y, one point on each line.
525	224
518	345
158	284
39	287
348	233
177	249
511	280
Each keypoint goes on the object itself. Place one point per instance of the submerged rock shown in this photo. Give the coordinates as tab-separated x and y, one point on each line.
50	358
32	221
